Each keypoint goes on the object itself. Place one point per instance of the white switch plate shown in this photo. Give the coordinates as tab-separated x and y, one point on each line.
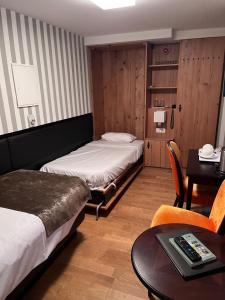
160	130
31	120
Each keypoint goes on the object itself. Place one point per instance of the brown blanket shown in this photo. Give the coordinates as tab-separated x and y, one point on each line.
53	198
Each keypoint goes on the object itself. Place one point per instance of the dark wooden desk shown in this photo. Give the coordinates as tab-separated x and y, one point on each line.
202	173
158	274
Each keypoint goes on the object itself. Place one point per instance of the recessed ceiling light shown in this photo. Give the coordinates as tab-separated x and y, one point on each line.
110	4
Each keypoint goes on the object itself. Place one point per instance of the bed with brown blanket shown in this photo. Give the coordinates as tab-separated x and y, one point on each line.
37	211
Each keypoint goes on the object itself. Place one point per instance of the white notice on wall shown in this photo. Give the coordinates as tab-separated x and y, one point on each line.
27	86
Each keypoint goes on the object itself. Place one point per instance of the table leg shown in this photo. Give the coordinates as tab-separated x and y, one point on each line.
189	193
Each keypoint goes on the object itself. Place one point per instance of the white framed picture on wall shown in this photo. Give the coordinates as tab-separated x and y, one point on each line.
26	84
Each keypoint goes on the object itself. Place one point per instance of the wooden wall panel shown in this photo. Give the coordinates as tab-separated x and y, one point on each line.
140	93
151	126
156	154
97	93
152	153
124	90
160	56
199	92
165	77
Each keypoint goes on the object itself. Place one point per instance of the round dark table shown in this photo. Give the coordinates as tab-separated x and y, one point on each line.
158	274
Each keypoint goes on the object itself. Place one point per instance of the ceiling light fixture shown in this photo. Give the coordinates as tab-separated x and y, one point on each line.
110	4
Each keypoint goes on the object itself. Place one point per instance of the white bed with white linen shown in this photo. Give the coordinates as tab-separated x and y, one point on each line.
98	163
23	246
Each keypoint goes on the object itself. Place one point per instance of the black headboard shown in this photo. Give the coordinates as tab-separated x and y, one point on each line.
5	161
31	148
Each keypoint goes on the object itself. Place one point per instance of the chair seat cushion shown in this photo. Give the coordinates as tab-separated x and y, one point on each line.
168	214
201	194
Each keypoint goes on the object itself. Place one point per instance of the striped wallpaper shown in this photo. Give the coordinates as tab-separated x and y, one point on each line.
61	59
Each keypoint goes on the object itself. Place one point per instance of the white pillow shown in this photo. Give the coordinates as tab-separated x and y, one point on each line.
118	137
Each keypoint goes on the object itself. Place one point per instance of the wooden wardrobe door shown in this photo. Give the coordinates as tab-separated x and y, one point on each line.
199	92
124	89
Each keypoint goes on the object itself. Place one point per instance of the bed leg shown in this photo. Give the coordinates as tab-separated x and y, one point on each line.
97	210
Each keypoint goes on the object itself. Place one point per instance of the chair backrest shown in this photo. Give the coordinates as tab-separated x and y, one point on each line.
176	149
217	214
174	156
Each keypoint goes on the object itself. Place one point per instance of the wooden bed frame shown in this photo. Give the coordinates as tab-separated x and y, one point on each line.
105	198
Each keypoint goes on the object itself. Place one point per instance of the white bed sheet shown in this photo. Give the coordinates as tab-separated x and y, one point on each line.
97	163
23	246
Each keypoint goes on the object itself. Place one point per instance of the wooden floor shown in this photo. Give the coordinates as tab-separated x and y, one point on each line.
96	265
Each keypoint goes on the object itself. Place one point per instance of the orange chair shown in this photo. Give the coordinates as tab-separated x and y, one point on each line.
215	222
200	193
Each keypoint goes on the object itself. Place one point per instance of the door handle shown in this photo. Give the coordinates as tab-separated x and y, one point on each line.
179	107
148	145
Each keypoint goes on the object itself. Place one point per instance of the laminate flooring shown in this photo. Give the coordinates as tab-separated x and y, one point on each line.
96	264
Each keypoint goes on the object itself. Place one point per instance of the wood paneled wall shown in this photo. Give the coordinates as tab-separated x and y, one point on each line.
199	92
120	98
97	93
120	74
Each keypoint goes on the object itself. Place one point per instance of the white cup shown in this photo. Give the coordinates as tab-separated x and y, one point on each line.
207	149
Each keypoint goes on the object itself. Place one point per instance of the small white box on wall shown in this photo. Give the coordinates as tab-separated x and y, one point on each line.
159	116
26	84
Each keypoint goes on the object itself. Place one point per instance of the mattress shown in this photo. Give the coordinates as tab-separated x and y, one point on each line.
98	163
23	246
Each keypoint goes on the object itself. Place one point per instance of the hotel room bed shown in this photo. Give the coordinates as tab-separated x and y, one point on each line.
99	163
37	211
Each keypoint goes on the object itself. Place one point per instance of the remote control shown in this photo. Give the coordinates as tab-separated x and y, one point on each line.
187	249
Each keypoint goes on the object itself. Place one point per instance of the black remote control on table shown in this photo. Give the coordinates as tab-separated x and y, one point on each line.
187	249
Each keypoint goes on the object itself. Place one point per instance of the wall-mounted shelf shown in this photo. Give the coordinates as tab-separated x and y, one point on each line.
163	66
153	88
